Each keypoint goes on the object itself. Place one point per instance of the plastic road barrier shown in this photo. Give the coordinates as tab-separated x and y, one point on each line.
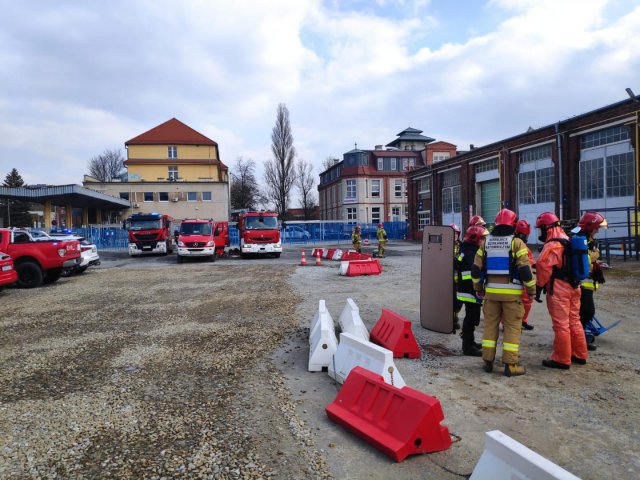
322	339
397	421
328	253
363	267
337	255
351	322
505	459
356	352
316	252
393	331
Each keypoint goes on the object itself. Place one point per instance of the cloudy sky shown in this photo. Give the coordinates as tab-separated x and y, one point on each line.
79	77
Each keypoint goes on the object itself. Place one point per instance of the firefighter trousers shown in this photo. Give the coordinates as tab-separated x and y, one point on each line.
511	313
587	307
470	322
381	248
564	308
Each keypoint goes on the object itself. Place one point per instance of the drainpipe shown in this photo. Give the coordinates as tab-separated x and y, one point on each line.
560	185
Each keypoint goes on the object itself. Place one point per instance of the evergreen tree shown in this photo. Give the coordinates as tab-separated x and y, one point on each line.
15	211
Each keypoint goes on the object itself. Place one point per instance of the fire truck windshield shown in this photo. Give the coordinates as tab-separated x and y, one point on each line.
146	224
261	223
195	229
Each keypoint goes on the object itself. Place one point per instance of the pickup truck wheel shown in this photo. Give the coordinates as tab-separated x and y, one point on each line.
81	269
52	275
29	275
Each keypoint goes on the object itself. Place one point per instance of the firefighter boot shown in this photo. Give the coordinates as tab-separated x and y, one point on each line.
488	366
513	370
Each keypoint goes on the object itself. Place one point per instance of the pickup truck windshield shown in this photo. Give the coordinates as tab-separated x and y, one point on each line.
146	225
261	223
195	229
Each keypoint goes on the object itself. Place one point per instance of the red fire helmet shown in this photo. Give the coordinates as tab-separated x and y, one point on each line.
506	217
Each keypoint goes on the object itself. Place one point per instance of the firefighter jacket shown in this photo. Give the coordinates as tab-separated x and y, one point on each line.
464	261
551	258
595	272
356	238
501	268
382	235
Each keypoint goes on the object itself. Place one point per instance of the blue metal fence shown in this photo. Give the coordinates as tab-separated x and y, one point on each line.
115	238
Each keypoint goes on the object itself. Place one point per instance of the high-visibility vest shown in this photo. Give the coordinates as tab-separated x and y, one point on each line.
498	251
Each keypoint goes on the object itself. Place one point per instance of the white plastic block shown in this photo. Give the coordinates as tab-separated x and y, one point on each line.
351	322
356	352
337	255
344	267
505	459
322	339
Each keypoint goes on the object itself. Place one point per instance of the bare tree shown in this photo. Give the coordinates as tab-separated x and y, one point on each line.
305	181
329	162
107	166
279	172
245	191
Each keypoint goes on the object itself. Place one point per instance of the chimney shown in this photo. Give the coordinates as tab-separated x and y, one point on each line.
471	147
378	147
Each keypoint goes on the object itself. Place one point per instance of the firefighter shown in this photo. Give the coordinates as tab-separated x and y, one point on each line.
523	229
382	240
356	239
500	271
563	295
477	220
473	238
588	225
457	304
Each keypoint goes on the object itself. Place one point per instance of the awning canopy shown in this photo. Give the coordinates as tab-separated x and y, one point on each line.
73	195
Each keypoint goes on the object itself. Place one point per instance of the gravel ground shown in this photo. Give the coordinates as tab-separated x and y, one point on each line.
145	369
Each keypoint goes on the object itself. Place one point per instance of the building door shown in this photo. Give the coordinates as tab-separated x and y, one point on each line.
489	200
607	178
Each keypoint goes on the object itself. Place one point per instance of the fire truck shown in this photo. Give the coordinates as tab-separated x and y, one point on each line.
149	233
259	233
196	240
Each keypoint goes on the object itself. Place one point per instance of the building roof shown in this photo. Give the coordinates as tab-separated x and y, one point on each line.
73	195
171	132
397	153
410	135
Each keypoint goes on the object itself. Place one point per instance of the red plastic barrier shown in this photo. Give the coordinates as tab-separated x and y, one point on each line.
398	421
329	253
355	256
316	252
364	267
393	332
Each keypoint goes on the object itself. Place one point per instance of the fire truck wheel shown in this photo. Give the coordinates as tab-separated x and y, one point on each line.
212	258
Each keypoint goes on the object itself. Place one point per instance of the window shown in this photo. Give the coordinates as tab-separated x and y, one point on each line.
620	175
404	188
351	213
394	164
375	188
351	188
527	188
405	164
163	196
424	219
172	152
380	164
533	154
451	199
592	179
124	195
173	172
397	188
148	196
206	196
602	137
192	196
395	214
412	162
545	185
424	187
487	166
375	215
440	156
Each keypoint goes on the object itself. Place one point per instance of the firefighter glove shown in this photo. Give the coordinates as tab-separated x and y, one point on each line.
538	293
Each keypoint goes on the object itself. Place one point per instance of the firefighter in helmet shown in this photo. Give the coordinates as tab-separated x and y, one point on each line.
563	295
356	239
382	240
477	220
500	271
473	238
588	226
523	230
457	304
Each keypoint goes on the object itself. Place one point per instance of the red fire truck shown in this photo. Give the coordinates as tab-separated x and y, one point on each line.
149	233
196	240
259	233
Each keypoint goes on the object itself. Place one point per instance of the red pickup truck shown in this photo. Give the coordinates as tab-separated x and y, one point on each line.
8	274
38	262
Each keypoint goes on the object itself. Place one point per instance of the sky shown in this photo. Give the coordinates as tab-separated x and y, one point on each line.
80	77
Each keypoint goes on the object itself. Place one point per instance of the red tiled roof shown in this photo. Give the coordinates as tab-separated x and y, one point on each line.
171	132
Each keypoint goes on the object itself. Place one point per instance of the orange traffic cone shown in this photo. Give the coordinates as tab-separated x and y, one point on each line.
303	258
319	259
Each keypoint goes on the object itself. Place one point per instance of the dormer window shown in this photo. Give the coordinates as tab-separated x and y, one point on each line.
172	152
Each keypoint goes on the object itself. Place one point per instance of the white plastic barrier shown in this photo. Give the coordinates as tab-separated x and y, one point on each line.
322	339
356	352
505	459
337	255
344	267
351	322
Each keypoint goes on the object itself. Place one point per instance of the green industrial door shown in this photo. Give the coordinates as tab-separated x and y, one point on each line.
489	200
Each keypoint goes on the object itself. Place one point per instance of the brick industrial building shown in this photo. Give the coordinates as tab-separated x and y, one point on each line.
586	162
